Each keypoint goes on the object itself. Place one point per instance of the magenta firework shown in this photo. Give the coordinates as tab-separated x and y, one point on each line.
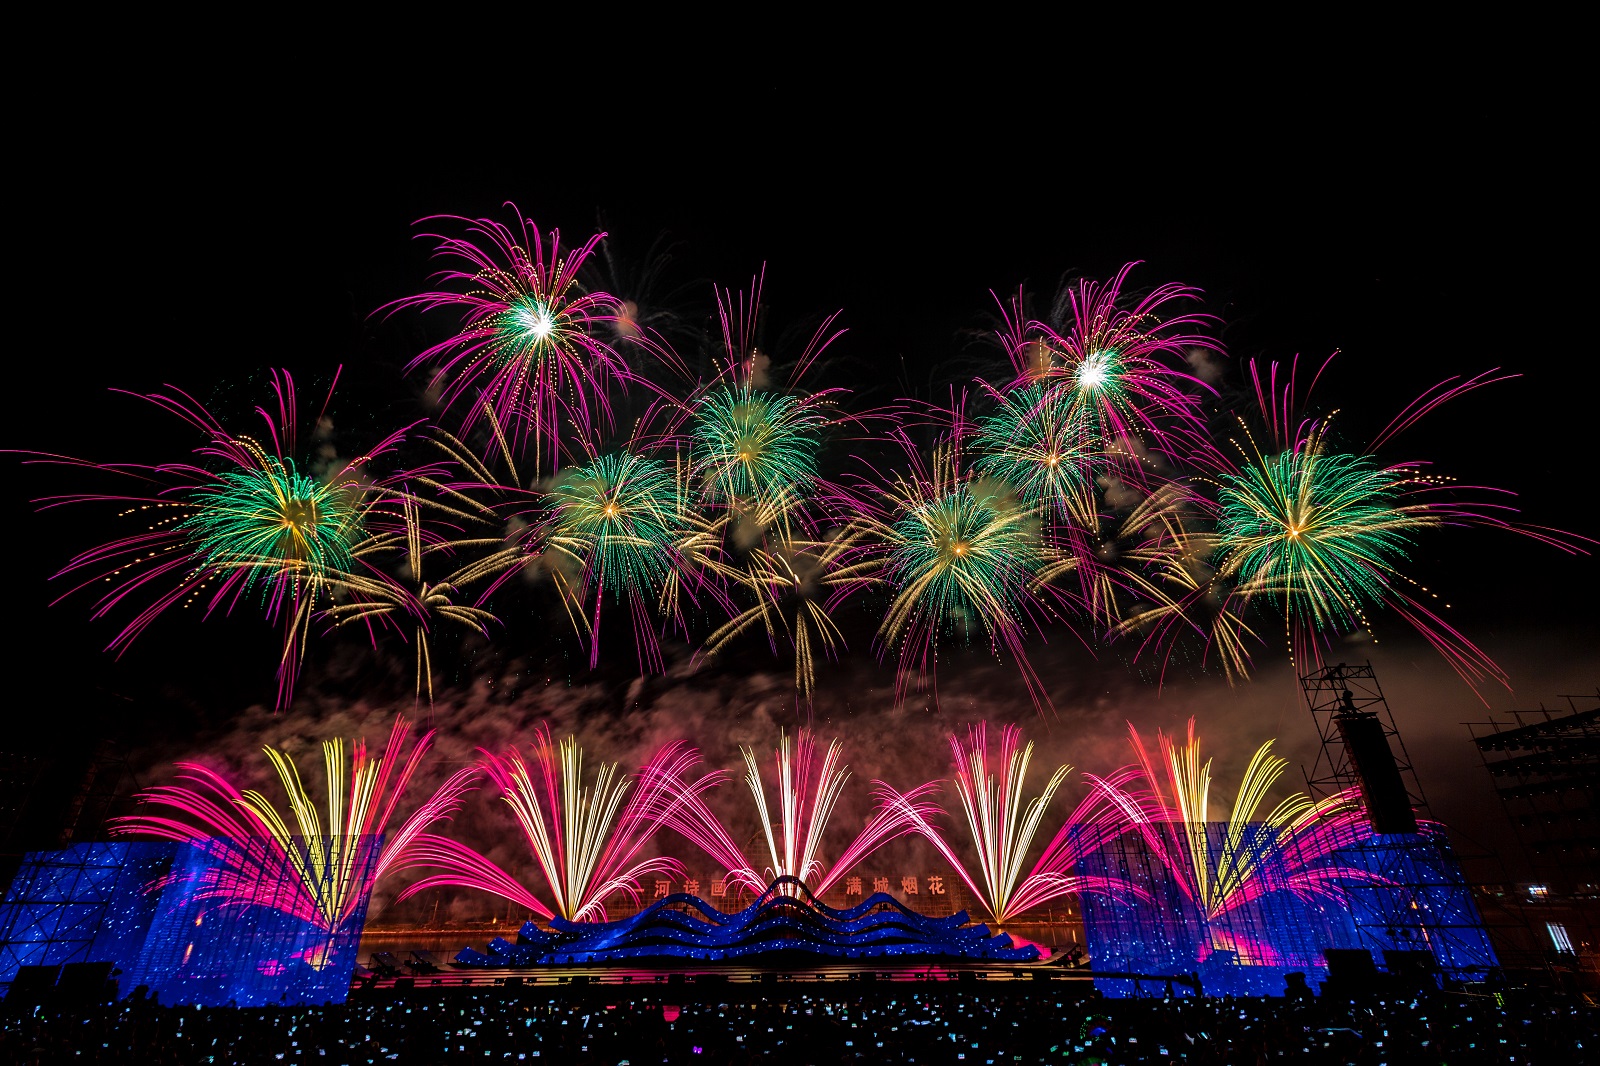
329	868
595	837
1081	490
530	346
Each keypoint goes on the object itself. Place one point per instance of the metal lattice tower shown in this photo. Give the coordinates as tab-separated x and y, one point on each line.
1325	693
106	789
1417	900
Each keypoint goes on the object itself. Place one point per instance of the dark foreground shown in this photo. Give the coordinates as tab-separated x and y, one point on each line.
878	1026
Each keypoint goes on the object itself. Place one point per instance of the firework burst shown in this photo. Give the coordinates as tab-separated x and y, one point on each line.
1292	847
807	790
1002	828
754	445
1323	534
531	344
212	535
962	556
794	584
620	519
1121	363
1037	442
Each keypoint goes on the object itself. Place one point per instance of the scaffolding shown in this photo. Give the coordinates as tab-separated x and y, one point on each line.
1545	766
1155	933
80	904
1417	898
1546	771
107	788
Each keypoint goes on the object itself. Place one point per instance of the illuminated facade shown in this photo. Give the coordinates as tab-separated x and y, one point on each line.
164	919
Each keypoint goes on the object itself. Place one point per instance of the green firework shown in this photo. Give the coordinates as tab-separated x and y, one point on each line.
752	444
1037	442
620	517
1320	531
959	559
276	525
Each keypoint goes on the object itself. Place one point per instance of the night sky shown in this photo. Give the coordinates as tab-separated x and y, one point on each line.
196	239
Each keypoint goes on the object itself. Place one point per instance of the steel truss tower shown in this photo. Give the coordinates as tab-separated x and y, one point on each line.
1418	899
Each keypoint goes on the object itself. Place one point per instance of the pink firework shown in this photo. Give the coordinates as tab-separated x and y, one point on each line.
586	837
1002	828
319	873
530	346
1294	847
1120	363
246	519
805	789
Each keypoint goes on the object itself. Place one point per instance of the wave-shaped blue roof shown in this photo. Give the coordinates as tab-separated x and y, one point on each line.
786	917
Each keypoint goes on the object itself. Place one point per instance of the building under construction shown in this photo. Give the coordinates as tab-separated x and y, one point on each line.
1545	765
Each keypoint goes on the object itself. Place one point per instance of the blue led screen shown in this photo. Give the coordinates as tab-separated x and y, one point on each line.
151	910
1248	949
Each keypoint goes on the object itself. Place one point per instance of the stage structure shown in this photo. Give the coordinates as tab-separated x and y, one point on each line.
1546	770
1418	899
1247	949
784	918
171	917
1394	893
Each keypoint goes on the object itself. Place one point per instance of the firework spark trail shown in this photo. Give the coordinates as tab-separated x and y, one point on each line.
1119	357
807	793
961	555
1322	534
1294	847
795	583
803	822
529	346
1002	829
387	601
259	524
586	838
255	845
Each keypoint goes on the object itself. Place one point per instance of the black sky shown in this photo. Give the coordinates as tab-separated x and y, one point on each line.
193	235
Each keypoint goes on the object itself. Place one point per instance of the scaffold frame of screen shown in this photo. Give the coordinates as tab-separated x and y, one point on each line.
1412	899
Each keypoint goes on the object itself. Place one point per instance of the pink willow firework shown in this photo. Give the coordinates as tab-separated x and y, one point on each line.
1002	829
243	521
320	873
1293	848
585	837
1117	366
529	348
807	791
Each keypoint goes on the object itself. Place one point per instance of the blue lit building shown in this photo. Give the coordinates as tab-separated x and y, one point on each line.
148	909
1414	901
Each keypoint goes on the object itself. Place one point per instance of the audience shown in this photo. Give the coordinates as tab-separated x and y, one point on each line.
887	1023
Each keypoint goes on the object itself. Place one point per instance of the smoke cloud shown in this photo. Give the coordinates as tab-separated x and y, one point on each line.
719	709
